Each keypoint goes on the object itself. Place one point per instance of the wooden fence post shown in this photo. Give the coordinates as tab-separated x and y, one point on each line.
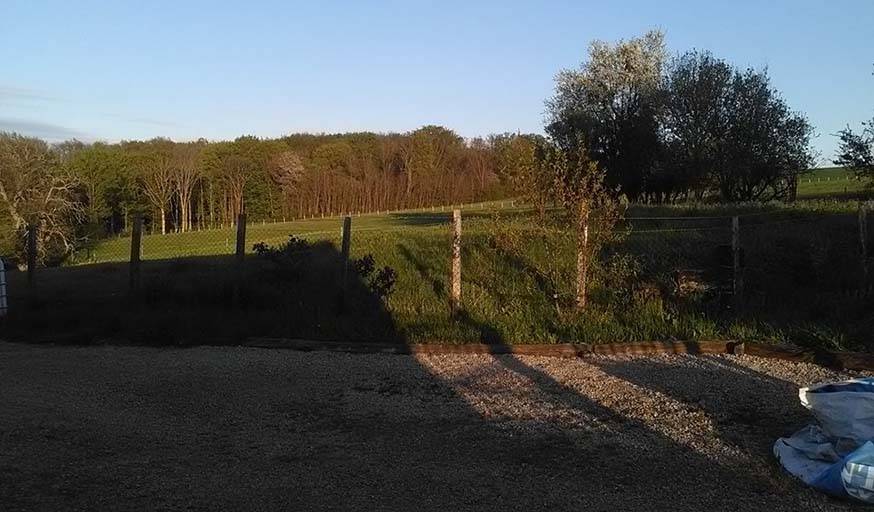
346	235
4	306
737	271
136	239
241	237
31	253
455	268
863	237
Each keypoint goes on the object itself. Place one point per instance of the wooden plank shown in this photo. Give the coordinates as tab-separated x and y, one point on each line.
550	350
837	360
651	348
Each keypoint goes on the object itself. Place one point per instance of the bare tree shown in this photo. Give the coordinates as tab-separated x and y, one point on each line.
186	172
36	190
155	163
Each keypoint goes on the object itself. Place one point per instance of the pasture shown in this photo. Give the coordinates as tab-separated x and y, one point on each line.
834	182
804	282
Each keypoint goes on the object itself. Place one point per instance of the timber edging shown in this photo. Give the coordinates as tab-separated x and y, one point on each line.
836	360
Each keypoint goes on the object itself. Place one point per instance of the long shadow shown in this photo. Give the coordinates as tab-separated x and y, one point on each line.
269	430
201	300
424	273
747	408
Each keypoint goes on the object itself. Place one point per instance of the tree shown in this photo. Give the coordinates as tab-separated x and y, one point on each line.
287	172
582	188
154	163
611	104
186	172
766	145
36	190
856	150
102	171
520	164
431	154
694	121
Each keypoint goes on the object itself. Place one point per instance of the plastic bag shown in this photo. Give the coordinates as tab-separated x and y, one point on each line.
837	457
843	409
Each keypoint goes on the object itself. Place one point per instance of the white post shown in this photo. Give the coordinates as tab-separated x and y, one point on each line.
3	304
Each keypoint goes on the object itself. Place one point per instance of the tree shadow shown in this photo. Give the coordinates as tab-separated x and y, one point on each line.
202	300
424	273
388	434
747	408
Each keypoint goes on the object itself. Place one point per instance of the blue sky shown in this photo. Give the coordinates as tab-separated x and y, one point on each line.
187	69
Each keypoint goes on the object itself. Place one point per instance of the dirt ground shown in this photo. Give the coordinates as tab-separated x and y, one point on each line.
243	428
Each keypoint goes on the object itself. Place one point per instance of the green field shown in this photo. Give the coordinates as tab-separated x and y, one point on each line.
831	182
803	277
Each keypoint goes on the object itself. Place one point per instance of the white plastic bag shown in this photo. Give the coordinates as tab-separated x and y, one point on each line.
845	410
836	457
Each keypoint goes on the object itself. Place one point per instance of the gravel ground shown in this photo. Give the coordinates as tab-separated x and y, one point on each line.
237	428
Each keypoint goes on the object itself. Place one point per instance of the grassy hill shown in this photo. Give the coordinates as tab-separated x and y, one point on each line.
836	182
803	277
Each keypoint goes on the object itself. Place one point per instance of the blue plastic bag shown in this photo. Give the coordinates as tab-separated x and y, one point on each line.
837	457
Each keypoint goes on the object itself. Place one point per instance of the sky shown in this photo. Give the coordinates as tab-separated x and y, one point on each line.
189	69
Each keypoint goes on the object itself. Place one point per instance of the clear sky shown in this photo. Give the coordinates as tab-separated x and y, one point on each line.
186	69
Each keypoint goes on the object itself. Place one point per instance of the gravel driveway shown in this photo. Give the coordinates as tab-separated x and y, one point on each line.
244	428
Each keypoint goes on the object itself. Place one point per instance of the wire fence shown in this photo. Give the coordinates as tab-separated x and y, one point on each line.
754	258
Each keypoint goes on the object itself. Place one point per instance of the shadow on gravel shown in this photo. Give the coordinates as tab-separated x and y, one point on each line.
747	408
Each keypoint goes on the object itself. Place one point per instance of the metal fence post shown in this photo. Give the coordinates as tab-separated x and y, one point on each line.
455	267
136	238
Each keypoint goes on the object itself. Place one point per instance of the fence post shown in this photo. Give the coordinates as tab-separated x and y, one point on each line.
31	253
455	269
4	306
136	239
346	241
241	238
863	237
737	277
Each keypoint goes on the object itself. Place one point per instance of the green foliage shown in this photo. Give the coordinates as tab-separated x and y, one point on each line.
856	151
693	128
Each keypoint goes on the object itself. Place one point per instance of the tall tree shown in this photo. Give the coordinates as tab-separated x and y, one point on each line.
186	171
611	104
35	189
766	144
695	121
155	166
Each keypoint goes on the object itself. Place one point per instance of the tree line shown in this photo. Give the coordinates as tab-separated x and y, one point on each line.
79	193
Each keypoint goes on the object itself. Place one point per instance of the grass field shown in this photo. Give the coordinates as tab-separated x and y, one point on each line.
832	182
803	276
